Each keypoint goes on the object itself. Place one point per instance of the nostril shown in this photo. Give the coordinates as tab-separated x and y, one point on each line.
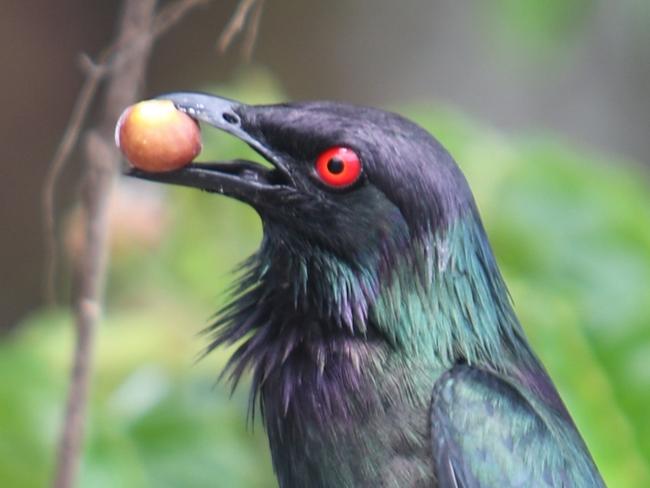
230	118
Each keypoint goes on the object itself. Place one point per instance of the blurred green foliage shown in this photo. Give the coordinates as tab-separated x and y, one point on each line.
571	232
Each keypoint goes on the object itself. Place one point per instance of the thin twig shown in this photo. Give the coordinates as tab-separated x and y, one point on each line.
235	25
252	30
108	60
61	157
171	14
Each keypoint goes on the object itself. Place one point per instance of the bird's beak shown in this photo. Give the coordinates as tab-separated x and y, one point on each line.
244	180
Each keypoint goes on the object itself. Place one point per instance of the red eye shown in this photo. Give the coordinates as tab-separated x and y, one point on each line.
338	166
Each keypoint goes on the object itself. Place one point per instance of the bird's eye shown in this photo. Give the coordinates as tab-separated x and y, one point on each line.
338	166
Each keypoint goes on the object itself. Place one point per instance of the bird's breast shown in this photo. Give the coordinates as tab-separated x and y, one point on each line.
358	417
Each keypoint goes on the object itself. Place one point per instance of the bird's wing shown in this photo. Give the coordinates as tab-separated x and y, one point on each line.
485	433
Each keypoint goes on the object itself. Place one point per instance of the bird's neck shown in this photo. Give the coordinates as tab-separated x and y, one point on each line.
333	345
312	320
446	300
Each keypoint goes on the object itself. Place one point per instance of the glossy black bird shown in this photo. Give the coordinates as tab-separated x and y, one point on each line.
382	343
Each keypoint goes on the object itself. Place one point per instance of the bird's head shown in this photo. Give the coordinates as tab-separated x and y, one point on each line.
363	213
345	178
352	184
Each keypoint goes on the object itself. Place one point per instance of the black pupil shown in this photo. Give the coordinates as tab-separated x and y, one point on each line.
335	165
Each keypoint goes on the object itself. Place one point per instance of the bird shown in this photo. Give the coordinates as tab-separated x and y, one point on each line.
380	339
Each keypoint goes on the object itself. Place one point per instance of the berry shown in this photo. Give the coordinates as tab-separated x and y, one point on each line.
155	136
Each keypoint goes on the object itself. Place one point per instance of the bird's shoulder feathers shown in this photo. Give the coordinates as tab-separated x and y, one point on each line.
486	431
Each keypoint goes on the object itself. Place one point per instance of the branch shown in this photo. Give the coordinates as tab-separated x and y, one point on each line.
102	163
61	157
253	29
108	61
238	22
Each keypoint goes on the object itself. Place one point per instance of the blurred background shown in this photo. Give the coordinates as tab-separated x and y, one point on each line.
545	106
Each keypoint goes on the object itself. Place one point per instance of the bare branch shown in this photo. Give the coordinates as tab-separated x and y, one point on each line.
119	52
102	163
171	14
235	25
252	30
61	157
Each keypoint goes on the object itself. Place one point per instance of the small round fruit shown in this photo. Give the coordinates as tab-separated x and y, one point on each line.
155	136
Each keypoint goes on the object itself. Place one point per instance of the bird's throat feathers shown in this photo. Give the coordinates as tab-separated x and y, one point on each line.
437	298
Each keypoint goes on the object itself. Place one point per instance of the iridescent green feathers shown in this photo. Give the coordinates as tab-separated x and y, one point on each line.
488	433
